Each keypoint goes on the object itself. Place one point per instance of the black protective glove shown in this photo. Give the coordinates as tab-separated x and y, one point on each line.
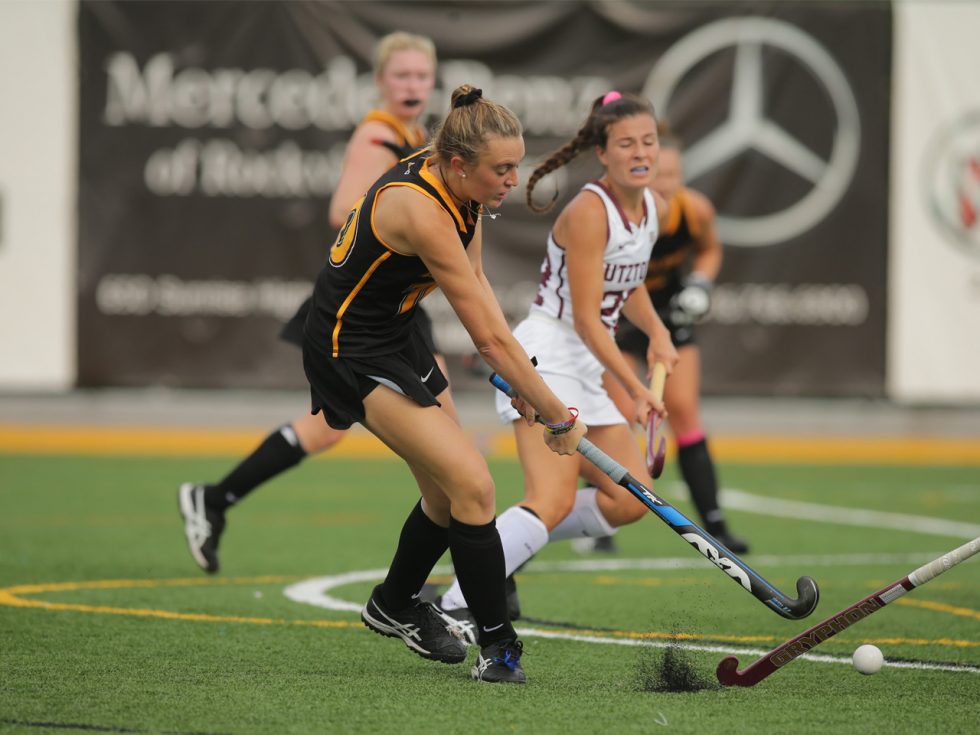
692	302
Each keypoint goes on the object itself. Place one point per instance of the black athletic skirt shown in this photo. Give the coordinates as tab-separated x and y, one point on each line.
339	385
292	331
633	340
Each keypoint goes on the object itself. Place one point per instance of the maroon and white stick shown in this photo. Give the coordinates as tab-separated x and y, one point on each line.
656	445
778	657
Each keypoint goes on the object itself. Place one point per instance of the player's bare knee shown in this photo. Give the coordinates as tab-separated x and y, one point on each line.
554	510
473	493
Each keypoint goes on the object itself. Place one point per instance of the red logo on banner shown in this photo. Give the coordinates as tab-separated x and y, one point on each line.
953	181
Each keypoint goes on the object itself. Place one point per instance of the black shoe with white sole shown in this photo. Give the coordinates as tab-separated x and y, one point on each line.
500	662
422	627
461	623
202	525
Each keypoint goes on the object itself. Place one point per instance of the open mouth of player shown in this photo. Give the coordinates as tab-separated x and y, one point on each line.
412	102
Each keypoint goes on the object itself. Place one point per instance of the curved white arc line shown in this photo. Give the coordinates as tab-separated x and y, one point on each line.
316	591
313	592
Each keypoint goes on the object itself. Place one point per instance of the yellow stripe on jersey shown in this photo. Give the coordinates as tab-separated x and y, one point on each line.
681	205
674	210
412	136
350	297
415	295
693	225
340	250
374	207
450	205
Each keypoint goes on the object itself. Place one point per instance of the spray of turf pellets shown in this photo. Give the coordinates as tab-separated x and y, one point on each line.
669	669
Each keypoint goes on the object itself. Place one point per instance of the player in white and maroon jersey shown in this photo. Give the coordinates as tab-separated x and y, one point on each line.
594	268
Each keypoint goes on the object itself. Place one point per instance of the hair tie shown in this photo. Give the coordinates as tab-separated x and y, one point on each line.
468	99
611	97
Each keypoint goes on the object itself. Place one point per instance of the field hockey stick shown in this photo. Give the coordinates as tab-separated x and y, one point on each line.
709	547
655	457
778	657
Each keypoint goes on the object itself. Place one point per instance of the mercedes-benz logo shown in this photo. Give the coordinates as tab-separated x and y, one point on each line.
748	128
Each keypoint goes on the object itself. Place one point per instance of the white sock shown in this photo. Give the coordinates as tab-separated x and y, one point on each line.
585	520
522	534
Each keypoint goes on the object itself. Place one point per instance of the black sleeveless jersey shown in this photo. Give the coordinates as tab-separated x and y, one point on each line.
672	250
366	295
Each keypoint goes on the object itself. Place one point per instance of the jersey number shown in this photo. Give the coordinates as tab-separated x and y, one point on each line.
340	250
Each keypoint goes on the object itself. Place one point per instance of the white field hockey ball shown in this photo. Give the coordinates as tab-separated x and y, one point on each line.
868	659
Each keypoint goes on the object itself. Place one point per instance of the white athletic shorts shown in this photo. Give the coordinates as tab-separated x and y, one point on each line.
569	369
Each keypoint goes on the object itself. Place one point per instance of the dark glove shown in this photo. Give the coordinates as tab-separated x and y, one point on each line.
692	302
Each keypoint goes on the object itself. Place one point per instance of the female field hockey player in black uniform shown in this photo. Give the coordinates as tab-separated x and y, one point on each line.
419	227
684	264
405	75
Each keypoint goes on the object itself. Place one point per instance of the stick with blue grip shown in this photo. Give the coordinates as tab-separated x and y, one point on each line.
705	543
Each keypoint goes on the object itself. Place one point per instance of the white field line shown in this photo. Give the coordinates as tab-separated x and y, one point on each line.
760	560
315	592
740	500
538	633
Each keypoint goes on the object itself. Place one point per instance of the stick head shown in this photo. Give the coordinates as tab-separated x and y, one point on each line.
727	672
656	447
657	466
808	597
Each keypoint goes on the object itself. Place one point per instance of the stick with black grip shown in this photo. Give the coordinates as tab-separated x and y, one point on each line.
755	672
700	539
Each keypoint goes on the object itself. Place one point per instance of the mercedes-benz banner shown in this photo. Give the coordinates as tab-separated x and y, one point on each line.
212	134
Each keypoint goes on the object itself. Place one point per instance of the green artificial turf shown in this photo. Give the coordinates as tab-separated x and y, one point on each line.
237	656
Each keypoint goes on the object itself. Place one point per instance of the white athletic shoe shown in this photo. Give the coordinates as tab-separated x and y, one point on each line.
202	525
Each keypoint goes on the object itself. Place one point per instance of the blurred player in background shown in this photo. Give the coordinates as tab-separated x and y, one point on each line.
419	227
685	262
405	67
596	260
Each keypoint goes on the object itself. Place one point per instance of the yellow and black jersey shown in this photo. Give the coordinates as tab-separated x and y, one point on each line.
366	294
672	250
410	137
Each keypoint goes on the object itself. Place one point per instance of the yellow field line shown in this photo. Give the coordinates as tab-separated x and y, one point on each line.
964	612
11	596
497	443
147	441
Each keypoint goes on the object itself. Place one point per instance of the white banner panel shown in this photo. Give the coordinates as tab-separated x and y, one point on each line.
37	186
934	304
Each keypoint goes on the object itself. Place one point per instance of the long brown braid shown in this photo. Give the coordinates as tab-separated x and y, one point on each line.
594	132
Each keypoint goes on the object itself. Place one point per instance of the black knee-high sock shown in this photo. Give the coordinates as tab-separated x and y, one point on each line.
478	558
420	545
277	453
699	473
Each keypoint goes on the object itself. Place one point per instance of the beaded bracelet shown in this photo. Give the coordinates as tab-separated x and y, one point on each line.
565	426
